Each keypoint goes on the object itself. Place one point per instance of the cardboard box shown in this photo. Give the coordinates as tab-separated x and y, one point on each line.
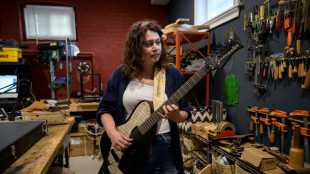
206	170
57	117
192	144
260	159
10	54
219	168
81	144
239	170
81	127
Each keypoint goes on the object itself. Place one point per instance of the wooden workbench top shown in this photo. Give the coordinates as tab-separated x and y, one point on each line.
83	107
41	155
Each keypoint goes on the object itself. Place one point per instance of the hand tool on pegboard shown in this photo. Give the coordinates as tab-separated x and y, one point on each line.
305	131
256	23
294	19
244	21
304	72
305	8
300	62
274	66
287	16
290	62
259	89
279	19
281	125
269	21
295	69
306	78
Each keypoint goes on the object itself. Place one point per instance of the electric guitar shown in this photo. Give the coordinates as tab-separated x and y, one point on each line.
141	125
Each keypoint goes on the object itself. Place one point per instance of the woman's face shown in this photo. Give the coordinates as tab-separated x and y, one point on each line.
151	48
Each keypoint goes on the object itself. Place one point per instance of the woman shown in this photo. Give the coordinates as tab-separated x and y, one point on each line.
133	82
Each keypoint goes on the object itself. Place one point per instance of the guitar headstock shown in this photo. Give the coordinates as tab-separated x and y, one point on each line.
222	54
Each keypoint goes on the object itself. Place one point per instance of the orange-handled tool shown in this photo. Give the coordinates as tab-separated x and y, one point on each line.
289	37
293	128
272	135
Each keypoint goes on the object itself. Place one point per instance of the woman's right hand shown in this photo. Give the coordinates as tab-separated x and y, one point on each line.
119	141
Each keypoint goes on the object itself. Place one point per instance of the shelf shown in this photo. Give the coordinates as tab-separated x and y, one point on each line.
198	158
241	163
179	38
170	40
14	63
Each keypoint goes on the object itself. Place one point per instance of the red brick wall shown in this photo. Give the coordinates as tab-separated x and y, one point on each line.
101	30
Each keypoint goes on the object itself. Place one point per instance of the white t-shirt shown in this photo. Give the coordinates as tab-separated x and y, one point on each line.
136	92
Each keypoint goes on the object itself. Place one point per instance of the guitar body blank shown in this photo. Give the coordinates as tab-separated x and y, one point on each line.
132	158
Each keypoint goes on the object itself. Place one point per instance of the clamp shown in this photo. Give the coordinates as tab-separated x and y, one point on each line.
282	127
305	131
299	113
255	119
254	108
266	120
264	110
272	135
278	113
293	129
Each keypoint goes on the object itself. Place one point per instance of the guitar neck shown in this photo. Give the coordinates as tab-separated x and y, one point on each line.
175	98
223	54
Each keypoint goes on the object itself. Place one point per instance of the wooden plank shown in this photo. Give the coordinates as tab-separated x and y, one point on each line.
41	155
83	107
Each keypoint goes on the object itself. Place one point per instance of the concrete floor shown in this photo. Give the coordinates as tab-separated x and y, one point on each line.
85	164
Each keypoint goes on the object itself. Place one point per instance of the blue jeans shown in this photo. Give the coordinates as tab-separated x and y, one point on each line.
160	159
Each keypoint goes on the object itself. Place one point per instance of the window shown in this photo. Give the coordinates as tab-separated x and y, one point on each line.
215	12
49	22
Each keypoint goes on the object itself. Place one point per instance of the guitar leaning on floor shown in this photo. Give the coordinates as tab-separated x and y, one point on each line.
141	125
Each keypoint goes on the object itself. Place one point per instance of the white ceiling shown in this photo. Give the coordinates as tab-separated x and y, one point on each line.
159	2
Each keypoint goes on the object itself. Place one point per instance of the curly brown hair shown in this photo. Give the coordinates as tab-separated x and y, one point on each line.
132	63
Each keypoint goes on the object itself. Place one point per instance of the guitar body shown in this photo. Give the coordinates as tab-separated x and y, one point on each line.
130	160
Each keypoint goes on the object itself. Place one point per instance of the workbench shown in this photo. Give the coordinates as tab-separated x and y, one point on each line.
41	155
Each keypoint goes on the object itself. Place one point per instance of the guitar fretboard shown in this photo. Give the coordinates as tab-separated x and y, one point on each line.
175	98
217	61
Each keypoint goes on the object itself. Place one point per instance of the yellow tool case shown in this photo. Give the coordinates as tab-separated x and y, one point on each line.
10	50
10	54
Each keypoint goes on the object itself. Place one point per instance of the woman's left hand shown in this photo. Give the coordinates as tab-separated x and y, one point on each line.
172	112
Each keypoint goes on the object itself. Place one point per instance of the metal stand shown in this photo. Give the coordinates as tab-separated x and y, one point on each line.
95	96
